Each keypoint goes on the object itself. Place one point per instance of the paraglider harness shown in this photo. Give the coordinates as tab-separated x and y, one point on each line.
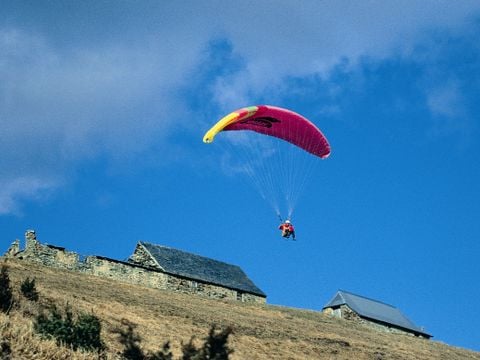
287	229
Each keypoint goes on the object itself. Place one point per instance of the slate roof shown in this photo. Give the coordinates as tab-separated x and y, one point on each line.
200	268
375	310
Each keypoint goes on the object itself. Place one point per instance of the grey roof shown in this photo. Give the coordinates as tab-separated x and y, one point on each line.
200	268
374	310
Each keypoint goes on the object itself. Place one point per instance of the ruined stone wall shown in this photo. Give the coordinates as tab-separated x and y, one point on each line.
46	254
14	249
132	273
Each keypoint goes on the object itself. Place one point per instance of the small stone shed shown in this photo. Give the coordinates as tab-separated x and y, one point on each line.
150	265
371	312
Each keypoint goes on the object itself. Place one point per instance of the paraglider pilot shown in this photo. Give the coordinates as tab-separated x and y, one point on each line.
287	229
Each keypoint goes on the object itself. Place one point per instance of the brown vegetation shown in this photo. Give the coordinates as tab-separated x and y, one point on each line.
259	331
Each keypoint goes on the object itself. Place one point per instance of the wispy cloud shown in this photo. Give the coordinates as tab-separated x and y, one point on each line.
445	100
288	40
58	107
12	192
106	84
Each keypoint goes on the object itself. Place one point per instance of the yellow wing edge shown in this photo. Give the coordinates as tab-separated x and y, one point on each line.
228	120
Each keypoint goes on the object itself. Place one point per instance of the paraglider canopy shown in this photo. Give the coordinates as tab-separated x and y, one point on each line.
277	122
278	154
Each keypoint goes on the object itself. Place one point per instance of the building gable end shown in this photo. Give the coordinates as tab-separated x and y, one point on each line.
142	256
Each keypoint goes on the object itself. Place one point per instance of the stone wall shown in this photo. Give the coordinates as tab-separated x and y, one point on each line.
141	256
125	272
14	249
136	274
133	272
48	255
345	312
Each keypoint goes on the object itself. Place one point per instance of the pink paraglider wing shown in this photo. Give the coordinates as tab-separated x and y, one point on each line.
283	124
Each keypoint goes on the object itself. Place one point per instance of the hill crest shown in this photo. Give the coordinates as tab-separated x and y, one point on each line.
260	331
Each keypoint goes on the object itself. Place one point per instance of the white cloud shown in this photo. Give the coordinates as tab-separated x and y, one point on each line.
301	38
60	107
77	98
22	188
113	93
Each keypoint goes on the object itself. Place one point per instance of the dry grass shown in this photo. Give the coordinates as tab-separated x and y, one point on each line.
260	331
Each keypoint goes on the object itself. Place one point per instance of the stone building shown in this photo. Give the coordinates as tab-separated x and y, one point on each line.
152	266
203	274
371	312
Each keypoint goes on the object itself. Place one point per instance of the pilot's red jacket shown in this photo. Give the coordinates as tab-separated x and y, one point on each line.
288	227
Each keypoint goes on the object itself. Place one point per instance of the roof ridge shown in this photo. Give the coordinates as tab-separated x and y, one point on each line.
367	298
190	253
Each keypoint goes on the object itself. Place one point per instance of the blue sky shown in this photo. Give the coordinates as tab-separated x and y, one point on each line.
103	106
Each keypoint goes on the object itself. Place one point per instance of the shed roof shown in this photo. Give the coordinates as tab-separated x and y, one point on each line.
375	310
200	268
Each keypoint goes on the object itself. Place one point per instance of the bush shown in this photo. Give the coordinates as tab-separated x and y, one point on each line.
87	332
83	333
131	341
164	354
6	298
5	350
214	348
189	350
29	289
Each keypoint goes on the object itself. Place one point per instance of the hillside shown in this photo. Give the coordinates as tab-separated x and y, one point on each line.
259	331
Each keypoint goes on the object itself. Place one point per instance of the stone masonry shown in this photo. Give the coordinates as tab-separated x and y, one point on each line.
344	312
141	271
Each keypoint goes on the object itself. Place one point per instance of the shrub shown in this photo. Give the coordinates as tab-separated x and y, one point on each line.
164	354
83	333
214	348
189	350
5	350
130	340
6	298
29	289
87	332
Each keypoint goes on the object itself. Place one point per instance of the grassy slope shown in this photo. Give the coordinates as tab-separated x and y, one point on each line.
260	331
